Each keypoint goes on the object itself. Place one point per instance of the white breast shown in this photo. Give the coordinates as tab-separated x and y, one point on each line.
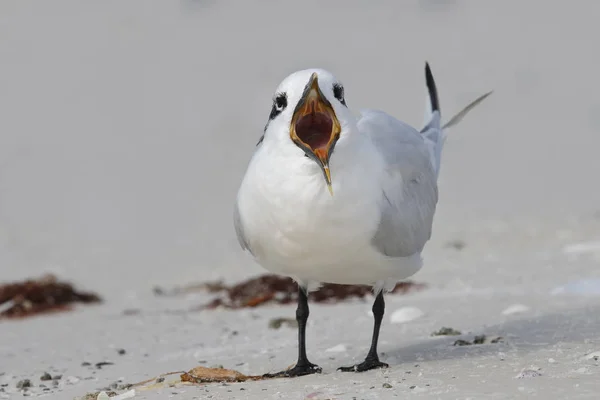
295	227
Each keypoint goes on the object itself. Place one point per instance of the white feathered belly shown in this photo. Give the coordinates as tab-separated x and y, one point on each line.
315	237
362	266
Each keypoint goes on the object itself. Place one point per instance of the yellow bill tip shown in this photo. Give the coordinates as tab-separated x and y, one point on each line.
328	179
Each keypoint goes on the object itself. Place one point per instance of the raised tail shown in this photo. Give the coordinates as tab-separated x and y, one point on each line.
433	131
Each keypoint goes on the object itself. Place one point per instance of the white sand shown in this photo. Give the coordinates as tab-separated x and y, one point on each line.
126	128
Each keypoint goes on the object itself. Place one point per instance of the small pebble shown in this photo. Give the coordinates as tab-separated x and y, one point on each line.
25	383
121	352
479	339
405	314
515	309
46	377
528	373
337	349
387	385
445	331
277	323
461	342
103	396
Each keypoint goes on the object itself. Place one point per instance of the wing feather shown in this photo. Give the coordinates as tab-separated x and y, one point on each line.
239	228
409	187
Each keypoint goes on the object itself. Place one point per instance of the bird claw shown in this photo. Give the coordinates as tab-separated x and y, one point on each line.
366	365
298	370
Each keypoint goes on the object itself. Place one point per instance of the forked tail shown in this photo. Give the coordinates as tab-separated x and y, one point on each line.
433	131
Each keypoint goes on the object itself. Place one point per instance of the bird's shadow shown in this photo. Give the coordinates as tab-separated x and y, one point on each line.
523	335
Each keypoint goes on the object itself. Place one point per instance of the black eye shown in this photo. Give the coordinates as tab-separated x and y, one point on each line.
338	93
279	104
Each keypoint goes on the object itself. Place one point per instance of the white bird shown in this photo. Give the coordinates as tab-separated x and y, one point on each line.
328	197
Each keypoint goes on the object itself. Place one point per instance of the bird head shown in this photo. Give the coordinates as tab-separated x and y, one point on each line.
309	110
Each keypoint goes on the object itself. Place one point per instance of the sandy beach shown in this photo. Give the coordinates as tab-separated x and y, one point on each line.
126	128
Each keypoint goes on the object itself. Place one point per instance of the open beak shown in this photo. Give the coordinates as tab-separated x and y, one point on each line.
315	128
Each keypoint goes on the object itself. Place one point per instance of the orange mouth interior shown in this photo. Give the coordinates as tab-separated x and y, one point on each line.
315	129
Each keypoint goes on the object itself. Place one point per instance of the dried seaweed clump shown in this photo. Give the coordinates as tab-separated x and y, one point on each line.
275	289
481	339
208	375
44	295
445	331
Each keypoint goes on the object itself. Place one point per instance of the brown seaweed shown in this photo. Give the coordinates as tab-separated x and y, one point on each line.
44	295
275	289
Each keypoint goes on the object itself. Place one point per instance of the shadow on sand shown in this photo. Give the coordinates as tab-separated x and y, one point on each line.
522	335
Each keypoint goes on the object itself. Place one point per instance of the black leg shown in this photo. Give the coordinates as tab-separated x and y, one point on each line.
372	360
303	366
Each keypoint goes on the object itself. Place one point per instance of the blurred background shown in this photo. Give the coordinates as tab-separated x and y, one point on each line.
126	127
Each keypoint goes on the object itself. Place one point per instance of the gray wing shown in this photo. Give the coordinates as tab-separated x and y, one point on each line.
409	190
239	229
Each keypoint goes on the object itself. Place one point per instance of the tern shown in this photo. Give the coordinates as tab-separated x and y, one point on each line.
331	198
